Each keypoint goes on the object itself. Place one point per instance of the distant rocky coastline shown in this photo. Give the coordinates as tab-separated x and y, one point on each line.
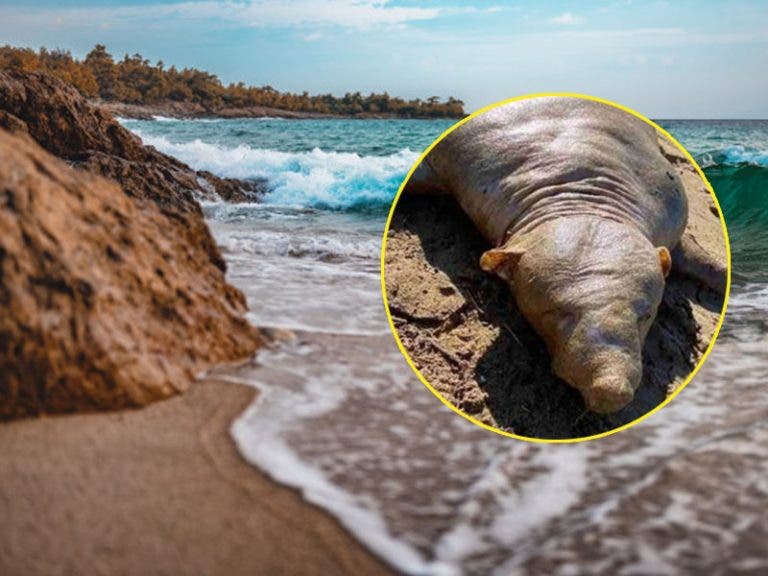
193	110
135	88
111	285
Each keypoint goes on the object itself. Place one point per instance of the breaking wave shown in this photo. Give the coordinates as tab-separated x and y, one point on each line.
315	179
742	190
734	155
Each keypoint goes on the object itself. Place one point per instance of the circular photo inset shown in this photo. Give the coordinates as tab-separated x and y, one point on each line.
555	267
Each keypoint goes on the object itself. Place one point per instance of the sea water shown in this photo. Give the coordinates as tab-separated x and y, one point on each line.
341	418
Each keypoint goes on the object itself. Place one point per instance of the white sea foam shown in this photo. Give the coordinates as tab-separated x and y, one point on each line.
160	118
307	393
745	154
324	269
302	433
336	180
746	318
307	244
736	154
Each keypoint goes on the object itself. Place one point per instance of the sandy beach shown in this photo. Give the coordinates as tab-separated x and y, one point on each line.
160	490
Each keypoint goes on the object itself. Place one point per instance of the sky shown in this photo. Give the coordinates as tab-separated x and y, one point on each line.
665	59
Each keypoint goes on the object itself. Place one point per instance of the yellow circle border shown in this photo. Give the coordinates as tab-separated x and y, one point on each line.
690	376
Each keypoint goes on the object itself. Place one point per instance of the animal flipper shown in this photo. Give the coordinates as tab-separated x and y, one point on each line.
691	260
424	181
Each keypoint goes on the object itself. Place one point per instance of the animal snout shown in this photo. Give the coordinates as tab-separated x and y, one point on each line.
608	394
611	334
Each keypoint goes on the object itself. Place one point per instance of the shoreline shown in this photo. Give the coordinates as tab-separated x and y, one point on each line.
193	111
156	491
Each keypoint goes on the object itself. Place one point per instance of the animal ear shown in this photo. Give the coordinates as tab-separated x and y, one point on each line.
498	260
665	258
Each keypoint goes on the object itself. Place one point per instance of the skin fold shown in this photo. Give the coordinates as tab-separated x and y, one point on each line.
583	210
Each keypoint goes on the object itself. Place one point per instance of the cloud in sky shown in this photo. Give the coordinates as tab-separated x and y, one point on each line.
359	14
664	59
345	13
566	19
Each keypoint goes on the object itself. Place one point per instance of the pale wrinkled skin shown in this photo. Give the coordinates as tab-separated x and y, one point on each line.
590	308
582	207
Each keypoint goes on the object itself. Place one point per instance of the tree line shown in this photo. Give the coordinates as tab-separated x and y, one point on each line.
135	80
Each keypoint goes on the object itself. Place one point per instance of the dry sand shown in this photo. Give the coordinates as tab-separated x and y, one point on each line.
463	331
157	491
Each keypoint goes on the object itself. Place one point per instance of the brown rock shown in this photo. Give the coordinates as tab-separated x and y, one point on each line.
105	300
66	124
11	123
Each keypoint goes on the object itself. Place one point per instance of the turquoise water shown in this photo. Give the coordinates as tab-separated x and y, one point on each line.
363	137
341	418
734	156
325	164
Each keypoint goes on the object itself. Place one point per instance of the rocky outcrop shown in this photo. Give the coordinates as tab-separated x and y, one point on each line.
173	109
110	295
66	124
103	304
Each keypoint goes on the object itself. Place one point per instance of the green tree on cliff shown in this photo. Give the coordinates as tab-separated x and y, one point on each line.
102	66
135	80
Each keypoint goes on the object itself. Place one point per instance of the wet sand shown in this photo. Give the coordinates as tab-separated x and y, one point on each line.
157	491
